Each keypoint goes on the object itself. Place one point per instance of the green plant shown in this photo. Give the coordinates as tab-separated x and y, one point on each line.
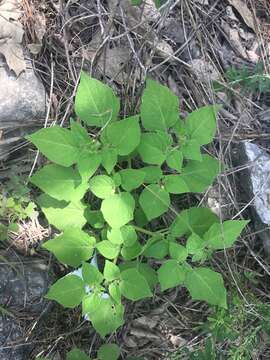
15	204
103	191
256	81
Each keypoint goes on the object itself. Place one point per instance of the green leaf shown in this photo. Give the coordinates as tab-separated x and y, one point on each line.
123	135
118	209
108	352
144	269
107	249
175	159
76	354
191	150
131	252
91	275
61	214
102	186
207	285
105	315
59	182
88	165
125	235
133	285
154	201
154	147
72	247
159	108
195	244
152	174
177	252
95	102
67	291
80	133
57	144
131	179
109	159
197	220
175	184
199	175
115	292
171	274
111	271
200	125
94	218
158	250
221	236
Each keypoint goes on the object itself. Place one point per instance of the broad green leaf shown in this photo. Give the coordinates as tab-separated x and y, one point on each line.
131	252
109	159
111	271
195	244
154	147
197	220
95	102
198	175
159	108
191	150
221	236
200	125
118	209
107	249
108	352
76	354
105	315
91	275
117	179
158	250
171	274
61	214
102	186
57	144
115	292
154	201
133	285
123	135
207	285
131	179
80	133
72	247
175	184
177	251
94	218
152	174
59	182
88	165
67	291
175	159
125	235
144	269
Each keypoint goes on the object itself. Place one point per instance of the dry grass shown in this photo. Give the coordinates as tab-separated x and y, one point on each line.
71	27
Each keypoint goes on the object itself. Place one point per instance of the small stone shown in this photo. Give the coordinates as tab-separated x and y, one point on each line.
22	105
23	283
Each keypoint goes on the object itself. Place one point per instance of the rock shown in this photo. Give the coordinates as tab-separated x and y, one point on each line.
255	182
23	283
22	106
204	70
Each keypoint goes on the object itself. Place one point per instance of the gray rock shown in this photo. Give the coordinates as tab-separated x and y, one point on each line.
23	283
22	106
255	181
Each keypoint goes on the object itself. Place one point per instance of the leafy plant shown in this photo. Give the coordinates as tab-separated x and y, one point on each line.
256	81
103	191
